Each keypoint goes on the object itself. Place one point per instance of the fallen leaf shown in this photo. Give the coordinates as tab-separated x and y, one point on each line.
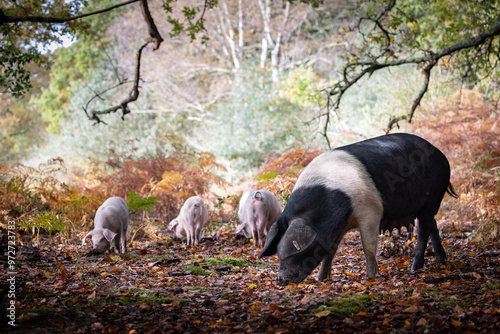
410	309
97	325
422	322
25	317
273	307
91	297
324	313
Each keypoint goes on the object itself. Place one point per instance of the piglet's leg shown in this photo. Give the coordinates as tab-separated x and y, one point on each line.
191	236
188	236
197	235
123	241
256	238
114	242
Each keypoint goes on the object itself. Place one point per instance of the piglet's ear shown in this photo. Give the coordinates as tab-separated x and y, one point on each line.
240	228
272	240
173	224
88	236
297	238
108	234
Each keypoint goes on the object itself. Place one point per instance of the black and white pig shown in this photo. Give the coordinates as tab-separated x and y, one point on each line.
373	185
190	222
110	226
258	210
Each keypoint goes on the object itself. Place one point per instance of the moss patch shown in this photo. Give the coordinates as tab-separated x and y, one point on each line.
492	286
451	303
195	270
345	306
39	310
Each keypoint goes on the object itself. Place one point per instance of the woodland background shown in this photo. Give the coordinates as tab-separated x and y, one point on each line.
212	120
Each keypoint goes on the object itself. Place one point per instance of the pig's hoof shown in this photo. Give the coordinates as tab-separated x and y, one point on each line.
416	266
441	259
322	277
282	281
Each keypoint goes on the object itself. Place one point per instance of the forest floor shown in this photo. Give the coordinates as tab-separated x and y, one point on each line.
221	287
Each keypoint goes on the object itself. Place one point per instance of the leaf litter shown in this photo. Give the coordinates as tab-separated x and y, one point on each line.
154	292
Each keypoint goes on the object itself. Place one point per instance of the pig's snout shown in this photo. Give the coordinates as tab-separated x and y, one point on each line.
282	280
284	277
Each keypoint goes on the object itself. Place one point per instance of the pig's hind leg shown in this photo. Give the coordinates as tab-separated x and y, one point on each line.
197	234
427	227
190	236
436	244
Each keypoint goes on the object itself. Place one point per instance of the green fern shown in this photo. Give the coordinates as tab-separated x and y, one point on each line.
135	202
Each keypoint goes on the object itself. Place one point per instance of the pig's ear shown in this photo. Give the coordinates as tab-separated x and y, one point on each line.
88	236
272	240
298	237
108	234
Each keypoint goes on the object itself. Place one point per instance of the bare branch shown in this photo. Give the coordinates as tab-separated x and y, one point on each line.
133	96
45	19
154	37
416	102
353	72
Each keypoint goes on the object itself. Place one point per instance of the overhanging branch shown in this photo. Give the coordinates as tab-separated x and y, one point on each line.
154	37
353	72
48	19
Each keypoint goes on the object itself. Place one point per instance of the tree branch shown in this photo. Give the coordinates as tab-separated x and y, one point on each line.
350	77
47	19
416	102
133	96
154	37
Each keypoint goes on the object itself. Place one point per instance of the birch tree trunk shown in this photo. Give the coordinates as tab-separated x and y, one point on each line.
267	39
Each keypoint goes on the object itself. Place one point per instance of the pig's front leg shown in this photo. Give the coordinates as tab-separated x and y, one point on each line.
326	265
369	238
